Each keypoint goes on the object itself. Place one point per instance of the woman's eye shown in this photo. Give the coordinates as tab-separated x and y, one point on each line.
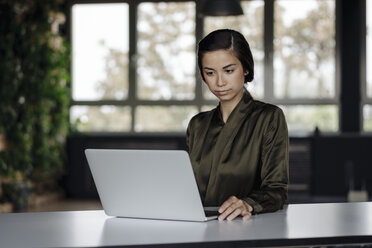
229	71
209	73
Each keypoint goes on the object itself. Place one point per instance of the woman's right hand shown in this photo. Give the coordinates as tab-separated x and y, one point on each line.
234	207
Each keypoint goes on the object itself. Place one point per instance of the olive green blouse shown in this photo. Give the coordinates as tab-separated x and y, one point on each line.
246	157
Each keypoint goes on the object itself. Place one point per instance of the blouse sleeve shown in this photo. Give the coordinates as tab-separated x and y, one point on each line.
273	191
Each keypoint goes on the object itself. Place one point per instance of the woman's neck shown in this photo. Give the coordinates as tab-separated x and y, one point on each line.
227	107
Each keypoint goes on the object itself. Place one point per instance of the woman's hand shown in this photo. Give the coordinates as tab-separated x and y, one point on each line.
234	207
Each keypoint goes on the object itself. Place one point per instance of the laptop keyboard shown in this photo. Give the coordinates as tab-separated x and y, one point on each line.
209	213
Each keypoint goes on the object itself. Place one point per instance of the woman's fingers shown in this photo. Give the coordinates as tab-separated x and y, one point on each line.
234	207
234	214
227	204
247	216
227	207
250	208
225	213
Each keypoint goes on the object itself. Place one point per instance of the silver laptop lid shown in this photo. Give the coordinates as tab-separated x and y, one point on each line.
155	184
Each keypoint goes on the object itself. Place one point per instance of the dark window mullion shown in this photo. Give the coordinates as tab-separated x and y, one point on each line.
269	50
199	30
350	27
132	96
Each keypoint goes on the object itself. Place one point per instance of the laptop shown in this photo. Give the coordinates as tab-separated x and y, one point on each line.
151	184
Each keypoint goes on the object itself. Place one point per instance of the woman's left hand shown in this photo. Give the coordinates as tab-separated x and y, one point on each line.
234	207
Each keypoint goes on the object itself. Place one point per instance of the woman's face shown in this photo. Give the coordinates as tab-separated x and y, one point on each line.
224	75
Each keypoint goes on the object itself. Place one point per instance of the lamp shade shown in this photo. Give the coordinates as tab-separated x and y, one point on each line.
221	8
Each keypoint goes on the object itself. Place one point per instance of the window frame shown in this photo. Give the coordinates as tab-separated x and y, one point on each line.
269	95
132	101
199	101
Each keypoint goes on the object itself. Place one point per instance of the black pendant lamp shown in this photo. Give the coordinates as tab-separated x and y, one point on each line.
222	8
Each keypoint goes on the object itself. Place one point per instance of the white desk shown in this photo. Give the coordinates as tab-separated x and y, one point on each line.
300	224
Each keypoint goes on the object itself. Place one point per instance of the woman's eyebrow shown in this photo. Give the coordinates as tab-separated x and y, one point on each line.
227	66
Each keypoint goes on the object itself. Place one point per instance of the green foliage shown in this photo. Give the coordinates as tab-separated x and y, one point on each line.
17	194
34	95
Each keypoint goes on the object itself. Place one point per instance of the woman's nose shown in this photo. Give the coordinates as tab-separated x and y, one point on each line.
220	81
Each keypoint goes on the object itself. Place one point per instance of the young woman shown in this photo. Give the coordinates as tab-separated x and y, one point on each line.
238	150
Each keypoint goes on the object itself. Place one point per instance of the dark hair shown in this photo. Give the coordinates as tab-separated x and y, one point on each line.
228	39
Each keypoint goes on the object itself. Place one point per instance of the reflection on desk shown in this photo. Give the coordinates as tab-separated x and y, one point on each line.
299	224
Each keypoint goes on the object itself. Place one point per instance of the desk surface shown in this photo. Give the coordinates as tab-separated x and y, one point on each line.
298	224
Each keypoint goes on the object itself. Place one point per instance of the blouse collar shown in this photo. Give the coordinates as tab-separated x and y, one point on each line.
241	107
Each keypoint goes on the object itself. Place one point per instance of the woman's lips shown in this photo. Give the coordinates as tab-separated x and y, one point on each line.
222	92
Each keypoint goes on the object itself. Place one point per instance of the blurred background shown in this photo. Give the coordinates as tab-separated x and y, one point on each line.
123	74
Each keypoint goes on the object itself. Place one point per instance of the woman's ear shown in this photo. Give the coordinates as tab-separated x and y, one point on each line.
246	73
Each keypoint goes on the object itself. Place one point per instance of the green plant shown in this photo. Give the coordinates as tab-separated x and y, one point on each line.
16	193
34	95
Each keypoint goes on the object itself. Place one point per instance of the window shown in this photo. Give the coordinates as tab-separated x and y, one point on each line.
100	47
165	65
251	26
304	59
306	117
130	69
100	54
304	63
367	108
166	51
108	95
